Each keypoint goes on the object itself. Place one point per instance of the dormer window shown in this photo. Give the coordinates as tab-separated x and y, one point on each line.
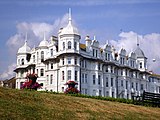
140	65
69	45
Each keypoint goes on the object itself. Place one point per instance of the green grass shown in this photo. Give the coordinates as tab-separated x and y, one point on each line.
33	105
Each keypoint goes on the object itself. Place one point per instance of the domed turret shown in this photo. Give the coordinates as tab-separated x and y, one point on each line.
44	42
70	29
25	48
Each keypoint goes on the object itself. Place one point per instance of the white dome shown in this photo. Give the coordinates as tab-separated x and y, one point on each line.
24	49
43	43
70	29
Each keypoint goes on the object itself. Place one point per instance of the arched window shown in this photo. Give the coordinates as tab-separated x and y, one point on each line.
63	45
51	79
33	58
22	62
42	56
69	44
42	72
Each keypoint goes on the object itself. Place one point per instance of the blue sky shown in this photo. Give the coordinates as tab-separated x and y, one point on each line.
103	18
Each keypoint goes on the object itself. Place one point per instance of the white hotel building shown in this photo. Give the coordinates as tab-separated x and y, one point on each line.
98	71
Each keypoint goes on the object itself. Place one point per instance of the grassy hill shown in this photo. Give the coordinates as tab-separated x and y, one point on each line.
30	105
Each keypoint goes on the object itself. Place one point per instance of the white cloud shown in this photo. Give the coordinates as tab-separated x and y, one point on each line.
35	35
35	32
9	72
149	43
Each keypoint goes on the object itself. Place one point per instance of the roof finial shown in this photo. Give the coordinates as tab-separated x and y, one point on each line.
137	40
94	38
70	16
26	36
44	35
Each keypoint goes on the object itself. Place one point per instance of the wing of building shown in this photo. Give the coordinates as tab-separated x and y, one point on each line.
98	71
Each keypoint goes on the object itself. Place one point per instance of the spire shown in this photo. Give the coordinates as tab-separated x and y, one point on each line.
137	40
107	42
70	16
26	38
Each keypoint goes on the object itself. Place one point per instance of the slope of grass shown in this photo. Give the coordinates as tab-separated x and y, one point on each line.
30	105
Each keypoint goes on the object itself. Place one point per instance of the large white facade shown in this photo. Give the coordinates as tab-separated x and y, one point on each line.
98	71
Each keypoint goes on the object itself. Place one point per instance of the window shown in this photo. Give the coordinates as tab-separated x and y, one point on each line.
94	79
107	93
62	61
111	82
123	61
51	65
69	74
85	63
106	81
85	78
42	56
75	61
136	86
94	92
112	94
100	93
69	60
140	65
82	77
122	72
22	62
126	84
132	85
69	45
93	52
122	83
96	52
63	45
37	56
75	45
42	72
141	86
76	76
109	57
62	75
37	72
106	68
62	89
120	60
86	91
33	58
111	69
99	79
51	52
126	72
51	79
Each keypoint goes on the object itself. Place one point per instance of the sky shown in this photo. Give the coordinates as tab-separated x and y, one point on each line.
121	22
